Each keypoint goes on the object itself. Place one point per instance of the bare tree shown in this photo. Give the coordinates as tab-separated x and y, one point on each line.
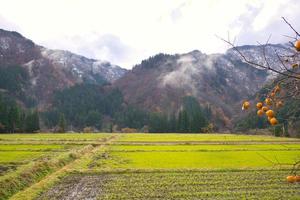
287	69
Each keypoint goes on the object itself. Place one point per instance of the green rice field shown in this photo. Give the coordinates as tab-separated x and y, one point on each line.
147	166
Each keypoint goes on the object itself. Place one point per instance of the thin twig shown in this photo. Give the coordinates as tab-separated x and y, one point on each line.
256	64
290	26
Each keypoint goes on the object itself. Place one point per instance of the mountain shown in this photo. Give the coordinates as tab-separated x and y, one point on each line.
52	70
218	81
261	54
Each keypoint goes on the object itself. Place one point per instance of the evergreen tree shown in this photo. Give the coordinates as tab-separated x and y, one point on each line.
185	124
158	123
132	117
36	121
154	123
178	122
93	118
207	112
172	124
85	104
62	123
196	118
110	127
13	119
22	120
32	122
2	114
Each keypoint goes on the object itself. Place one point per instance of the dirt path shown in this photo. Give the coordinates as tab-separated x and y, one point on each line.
36	189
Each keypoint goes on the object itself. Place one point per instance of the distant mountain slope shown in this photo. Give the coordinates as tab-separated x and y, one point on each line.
220	81
255	53
51	70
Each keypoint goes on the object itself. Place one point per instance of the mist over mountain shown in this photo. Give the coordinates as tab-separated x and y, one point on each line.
158	84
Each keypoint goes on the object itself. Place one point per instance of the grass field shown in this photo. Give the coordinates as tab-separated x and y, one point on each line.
51	136
146	166
26	147
17	157
194	160
198	138
262	147
180	185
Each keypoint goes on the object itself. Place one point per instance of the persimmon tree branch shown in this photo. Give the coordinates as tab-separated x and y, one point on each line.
291	26
295	165
281	68
267	66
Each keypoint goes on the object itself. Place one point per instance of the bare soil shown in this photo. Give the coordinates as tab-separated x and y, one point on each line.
76	187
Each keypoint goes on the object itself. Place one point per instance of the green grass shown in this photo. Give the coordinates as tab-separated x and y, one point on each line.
196	160
38	147
199	137
37	188
55	137
254	147
19	156
26	175
150	166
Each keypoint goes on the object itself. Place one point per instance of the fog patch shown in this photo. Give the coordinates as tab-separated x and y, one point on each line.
182	76
189	71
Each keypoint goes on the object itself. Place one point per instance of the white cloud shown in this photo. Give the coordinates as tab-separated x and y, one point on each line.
8	25
125	32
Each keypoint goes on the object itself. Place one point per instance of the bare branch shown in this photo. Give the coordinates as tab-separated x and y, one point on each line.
294	38
282	63
257	64
291	26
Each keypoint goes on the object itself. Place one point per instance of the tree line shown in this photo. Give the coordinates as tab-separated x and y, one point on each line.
91	105
14	119
88	105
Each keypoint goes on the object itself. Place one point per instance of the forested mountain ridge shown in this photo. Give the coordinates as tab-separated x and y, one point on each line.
219	81
51	70
32	78
157	93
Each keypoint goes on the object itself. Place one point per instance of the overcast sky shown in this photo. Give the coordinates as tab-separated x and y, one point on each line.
126	31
